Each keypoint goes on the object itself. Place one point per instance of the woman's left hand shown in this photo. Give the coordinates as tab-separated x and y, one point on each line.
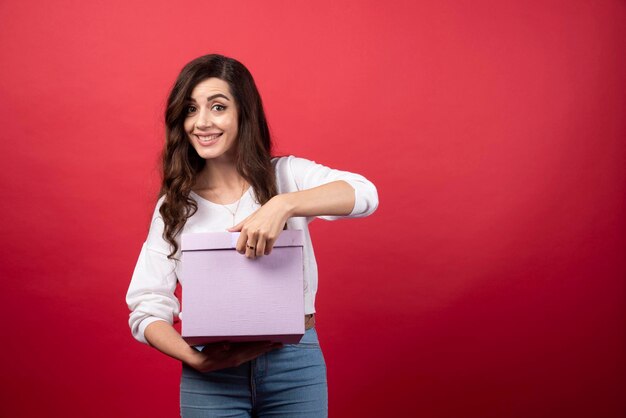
260	230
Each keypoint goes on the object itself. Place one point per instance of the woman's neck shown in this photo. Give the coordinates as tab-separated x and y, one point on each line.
220	183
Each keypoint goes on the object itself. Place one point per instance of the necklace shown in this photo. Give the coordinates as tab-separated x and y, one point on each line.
233	214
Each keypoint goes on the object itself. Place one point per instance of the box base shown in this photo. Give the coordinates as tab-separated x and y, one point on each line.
284	338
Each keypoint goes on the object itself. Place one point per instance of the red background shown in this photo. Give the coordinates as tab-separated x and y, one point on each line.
489	283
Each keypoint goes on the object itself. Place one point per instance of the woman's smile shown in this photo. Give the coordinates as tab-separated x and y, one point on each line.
207	139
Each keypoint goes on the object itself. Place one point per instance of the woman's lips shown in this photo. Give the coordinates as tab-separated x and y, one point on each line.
208	140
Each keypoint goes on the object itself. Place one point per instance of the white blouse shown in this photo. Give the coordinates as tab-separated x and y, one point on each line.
150	296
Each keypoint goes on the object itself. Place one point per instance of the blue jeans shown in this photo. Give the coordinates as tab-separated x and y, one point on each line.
286	382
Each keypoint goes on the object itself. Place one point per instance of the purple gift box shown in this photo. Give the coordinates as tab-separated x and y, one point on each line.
228	297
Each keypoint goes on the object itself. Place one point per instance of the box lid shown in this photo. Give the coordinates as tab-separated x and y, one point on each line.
228	240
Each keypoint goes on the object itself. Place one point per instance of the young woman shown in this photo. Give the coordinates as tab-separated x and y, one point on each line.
219	174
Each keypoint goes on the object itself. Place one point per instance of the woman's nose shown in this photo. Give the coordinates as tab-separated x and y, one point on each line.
204	119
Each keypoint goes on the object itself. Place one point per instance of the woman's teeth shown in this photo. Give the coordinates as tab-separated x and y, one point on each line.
207	138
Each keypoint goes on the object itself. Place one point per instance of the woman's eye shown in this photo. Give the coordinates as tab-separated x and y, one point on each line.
191	109
219	107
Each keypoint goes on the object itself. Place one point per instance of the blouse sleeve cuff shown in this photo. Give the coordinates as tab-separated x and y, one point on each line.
362	206
142	328
365	198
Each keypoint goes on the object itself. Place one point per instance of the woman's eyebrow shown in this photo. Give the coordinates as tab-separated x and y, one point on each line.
191	99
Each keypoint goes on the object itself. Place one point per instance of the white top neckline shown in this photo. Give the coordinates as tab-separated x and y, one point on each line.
207	201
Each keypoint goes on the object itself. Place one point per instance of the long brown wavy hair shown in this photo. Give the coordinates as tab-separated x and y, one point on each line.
180	161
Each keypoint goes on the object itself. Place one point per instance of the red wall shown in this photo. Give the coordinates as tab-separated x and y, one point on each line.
489	283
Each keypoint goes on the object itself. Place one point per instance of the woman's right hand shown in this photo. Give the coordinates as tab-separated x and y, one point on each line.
222	355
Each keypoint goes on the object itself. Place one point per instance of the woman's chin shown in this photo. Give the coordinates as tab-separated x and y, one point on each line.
216	155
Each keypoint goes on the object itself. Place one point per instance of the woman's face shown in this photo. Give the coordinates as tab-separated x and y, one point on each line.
211	121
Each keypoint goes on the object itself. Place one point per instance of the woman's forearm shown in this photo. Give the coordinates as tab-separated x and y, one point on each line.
336	198
215	356
162	336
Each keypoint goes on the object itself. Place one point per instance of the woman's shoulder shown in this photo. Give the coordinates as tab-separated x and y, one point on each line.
290	157
285	163
157	207
155	240
279	159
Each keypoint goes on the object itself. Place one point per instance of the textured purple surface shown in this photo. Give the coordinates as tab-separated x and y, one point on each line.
226	240
227	296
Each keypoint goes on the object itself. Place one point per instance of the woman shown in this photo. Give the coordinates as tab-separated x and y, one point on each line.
218	174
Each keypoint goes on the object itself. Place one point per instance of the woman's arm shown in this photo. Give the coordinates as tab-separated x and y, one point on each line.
260	230
331	199
300	174
162	336
320	191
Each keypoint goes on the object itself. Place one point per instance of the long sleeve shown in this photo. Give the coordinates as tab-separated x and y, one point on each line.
308	174
150	296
